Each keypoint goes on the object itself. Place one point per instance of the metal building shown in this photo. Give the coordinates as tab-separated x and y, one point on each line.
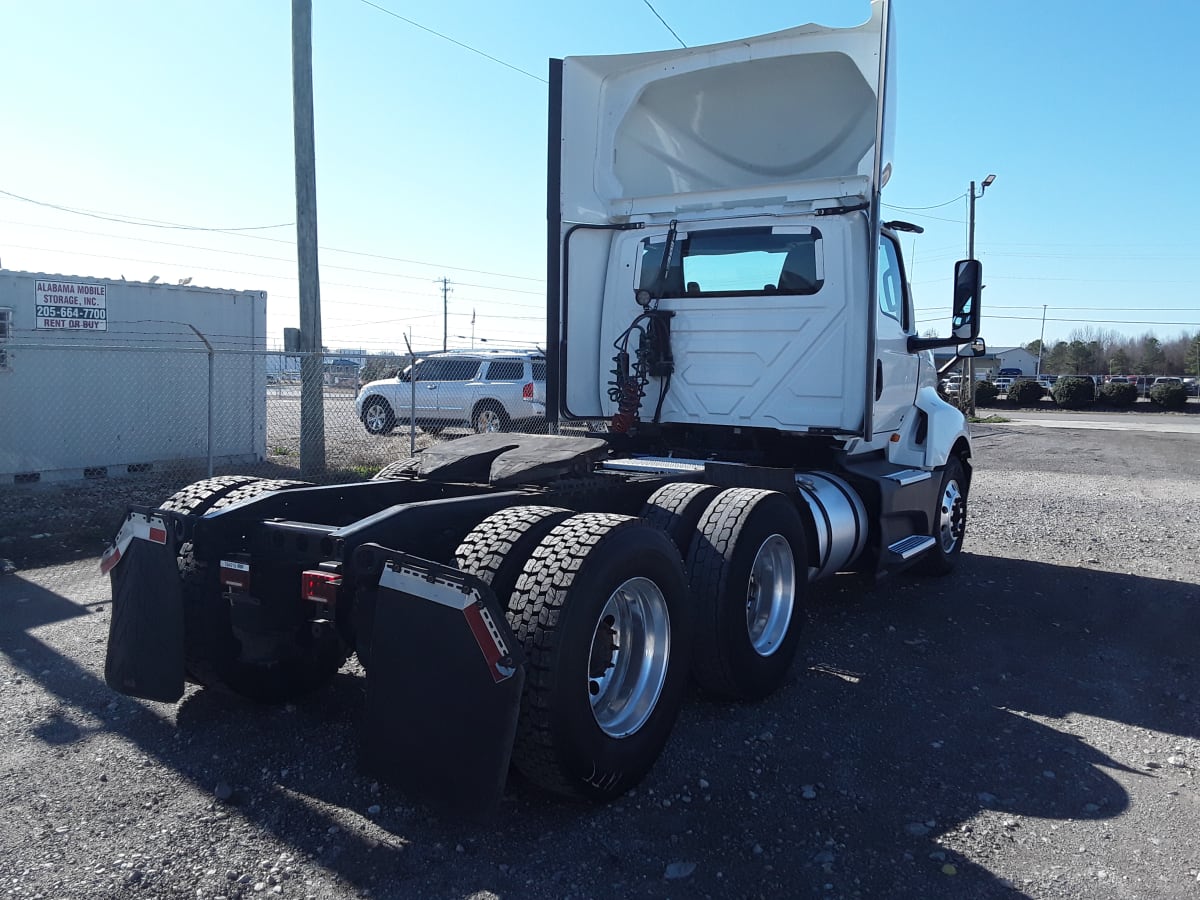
99	378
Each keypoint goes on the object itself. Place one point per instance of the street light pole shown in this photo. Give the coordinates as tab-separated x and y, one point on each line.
971	255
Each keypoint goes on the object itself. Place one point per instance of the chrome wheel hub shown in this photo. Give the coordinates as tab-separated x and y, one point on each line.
771	595
952	517
630	652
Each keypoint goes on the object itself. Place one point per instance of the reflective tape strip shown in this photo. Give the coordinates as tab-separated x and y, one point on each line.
478	620
136	525
495	651
410	581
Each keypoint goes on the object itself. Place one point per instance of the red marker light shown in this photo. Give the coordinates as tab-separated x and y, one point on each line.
527	391
319	586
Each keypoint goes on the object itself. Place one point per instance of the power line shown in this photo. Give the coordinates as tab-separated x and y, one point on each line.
183	265
1096	321
1070	308
935	206
445	37
129	220
936	218
665	25
415	262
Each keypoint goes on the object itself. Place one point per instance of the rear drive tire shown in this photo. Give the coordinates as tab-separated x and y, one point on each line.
199	497
949	522
748	574
497	549
212	651
677	508
603	614
401	468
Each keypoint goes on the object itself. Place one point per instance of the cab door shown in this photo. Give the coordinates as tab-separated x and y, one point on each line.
895	367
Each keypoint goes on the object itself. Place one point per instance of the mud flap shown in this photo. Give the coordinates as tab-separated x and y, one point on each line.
145	633
444	684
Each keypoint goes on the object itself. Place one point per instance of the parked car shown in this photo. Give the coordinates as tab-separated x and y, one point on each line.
1003	383
1010	372
483	390
1167	379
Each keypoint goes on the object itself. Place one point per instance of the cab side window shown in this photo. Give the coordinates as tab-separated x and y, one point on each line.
891	283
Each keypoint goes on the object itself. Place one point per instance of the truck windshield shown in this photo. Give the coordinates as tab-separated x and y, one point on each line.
736	261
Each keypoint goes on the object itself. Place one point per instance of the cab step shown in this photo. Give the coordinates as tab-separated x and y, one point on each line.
913	545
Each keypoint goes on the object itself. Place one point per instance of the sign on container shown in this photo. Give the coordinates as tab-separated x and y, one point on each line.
70	306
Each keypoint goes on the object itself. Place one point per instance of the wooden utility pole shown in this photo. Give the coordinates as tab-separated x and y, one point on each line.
312	368
445	311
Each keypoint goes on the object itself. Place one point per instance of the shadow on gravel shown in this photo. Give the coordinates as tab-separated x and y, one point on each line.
915	713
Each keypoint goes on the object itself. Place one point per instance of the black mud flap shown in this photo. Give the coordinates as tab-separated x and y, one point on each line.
145	633
444	683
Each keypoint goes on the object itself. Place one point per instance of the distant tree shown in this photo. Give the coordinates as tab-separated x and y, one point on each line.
382	365
1118	362
1178	353
1151	359
1056	360
1080	357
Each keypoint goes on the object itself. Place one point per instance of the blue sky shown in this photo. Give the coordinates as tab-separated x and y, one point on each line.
431	158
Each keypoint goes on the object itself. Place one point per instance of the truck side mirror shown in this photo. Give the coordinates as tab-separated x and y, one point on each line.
968	285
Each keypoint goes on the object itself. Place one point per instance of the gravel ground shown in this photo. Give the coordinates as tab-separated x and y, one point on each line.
1026	727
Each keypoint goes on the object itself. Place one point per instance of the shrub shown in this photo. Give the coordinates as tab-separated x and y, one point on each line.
986	393
1119	394
1074	392
1025	393
1169	396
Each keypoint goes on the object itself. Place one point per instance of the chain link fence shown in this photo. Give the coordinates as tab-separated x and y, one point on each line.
101	412
89	429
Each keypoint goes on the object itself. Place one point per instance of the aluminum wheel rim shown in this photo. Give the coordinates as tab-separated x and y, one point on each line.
487	421
630	652
771	595
952	517
375	416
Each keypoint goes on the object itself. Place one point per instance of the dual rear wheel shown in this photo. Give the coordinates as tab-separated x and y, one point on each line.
613	621
600	604
214	651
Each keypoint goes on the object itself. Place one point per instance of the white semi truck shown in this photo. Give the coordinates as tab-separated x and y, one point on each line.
724	294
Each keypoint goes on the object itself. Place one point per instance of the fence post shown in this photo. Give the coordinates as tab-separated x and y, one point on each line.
211	380
412	403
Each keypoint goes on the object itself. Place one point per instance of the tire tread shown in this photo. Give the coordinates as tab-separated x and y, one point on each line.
534	615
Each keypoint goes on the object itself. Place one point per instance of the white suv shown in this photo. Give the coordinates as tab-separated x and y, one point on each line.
484	390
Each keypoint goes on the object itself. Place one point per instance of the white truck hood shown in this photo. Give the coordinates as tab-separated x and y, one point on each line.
794	116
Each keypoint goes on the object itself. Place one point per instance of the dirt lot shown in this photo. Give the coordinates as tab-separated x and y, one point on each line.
1025	727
